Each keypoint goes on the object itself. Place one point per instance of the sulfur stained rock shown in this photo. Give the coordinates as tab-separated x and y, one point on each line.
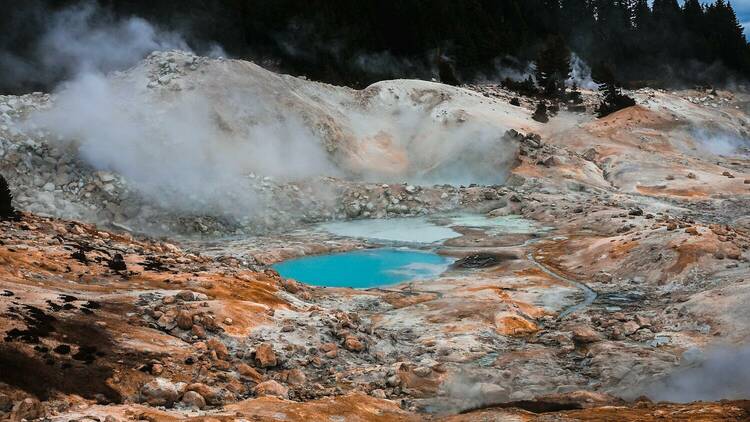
184	320
510	324
295	377
271	388
248	371
194	400
265	356
630	327
220	348
27	409
198	331
330	350
353	344
6	403
212	396
159	392
585	335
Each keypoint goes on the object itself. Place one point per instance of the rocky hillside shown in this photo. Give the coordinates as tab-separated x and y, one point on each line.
632	282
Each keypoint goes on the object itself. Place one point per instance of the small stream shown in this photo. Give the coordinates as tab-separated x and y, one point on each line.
589	295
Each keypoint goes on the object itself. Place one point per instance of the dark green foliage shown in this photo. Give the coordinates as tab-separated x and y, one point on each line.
574	96
540	114
552	67
117	263
613	99
526	87
446	71
575	100
7	212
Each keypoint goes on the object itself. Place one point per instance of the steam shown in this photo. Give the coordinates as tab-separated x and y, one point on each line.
79	43
721	142
176	153
580	74
464	391
511	68
722	373
86	38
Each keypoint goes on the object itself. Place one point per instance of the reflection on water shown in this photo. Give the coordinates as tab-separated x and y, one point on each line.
431	229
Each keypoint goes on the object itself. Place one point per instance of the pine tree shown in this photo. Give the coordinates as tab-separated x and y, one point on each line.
446	71
575	99
726	37
7	212
641	15
552	67
540	114
692	12
613	99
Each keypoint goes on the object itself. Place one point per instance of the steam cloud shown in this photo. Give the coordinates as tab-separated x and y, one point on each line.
511	68
721	142
86	38
175	153
78	42
580	74
722	374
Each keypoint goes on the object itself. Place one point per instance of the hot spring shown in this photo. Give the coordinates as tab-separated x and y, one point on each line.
363	269
393	262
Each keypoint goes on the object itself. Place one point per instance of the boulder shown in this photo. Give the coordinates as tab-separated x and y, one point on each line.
27	409
585	335
265	356
271	388
159	392
422	371
492	393
220	348
184	320
249	372
190	296
590	154
630	327
198	331
329	349
6	403
295	377
212	396
602	277
353	344
194	400
511	324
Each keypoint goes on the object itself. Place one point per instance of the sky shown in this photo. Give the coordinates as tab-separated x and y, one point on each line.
741	7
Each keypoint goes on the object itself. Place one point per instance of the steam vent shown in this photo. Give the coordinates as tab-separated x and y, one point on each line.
374	211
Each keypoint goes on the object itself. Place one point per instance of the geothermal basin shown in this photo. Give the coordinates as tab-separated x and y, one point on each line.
391	262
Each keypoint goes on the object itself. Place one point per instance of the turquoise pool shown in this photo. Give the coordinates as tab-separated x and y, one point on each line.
364	268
